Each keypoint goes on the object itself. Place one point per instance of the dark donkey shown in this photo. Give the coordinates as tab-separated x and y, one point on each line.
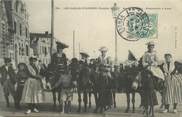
52	78
127	80
83	85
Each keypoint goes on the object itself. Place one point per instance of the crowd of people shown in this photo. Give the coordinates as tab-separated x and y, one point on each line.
28	83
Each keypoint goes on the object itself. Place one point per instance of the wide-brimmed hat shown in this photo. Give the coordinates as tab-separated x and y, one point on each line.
33	58
61	45
103	49
167	54
84	54
7	60
151	43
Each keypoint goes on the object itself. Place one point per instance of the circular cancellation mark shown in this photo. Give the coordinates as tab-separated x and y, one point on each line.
133	24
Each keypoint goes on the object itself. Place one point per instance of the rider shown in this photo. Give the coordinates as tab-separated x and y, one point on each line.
84	68
58	59
150	61
59	65
104	62
105	95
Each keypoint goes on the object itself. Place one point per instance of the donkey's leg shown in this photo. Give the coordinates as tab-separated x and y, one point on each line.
128	102
79	101
96	101
6	96
147	110
152	107
61	101
133	101
65	106
69	106
7	100
114	98
85	100
141	99
95	97
90	96
54	99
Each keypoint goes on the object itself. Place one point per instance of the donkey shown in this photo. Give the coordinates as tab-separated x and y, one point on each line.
148	84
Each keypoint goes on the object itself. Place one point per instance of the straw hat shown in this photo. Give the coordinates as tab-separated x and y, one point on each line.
103	49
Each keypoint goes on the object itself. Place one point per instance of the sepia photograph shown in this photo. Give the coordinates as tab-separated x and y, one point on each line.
91	58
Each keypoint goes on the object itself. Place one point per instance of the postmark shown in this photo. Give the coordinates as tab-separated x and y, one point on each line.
133	24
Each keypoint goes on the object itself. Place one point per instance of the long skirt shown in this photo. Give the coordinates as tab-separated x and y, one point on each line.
32	92
173	91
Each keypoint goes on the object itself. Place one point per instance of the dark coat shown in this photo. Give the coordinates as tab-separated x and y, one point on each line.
148	89
5	73
59	60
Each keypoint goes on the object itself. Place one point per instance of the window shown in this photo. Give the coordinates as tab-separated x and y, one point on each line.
14	27
23	50
27	52
19	49
16	6
45	51
40	50
26	32
20	29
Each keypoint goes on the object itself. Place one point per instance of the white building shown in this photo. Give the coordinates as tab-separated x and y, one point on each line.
4	40
41	44
18	30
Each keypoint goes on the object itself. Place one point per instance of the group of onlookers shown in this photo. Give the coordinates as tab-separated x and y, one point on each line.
24	85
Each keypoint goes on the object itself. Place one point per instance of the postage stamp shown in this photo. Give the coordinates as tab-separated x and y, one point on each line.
133	24
153	26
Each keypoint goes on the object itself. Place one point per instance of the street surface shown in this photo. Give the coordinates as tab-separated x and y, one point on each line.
46	109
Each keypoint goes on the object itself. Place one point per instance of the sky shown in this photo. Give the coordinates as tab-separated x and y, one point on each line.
93	24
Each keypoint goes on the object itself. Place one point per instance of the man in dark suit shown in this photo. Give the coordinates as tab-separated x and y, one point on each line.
8	79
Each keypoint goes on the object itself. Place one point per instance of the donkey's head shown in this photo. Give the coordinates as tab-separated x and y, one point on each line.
136	81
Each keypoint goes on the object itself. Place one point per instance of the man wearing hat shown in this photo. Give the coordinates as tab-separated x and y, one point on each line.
84	57
150	61
59	65
8	79
59	58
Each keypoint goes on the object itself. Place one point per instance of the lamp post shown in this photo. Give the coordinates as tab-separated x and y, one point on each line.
74	44
115	14
52	27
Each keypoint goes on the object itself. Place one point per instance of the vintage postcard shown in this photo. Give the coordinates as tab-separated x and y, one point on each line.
91	58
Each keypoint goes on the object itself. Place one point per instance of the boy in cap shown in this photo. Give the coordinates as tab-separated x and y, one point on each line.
83	81
8	80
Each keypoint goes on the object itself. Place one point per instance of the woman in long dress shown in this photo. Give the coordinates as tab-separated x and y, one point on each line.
172	92
32	92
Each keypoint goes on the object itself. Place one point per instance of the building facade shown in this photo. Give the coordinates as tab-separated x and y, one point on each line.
4	40
17	16
41	44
